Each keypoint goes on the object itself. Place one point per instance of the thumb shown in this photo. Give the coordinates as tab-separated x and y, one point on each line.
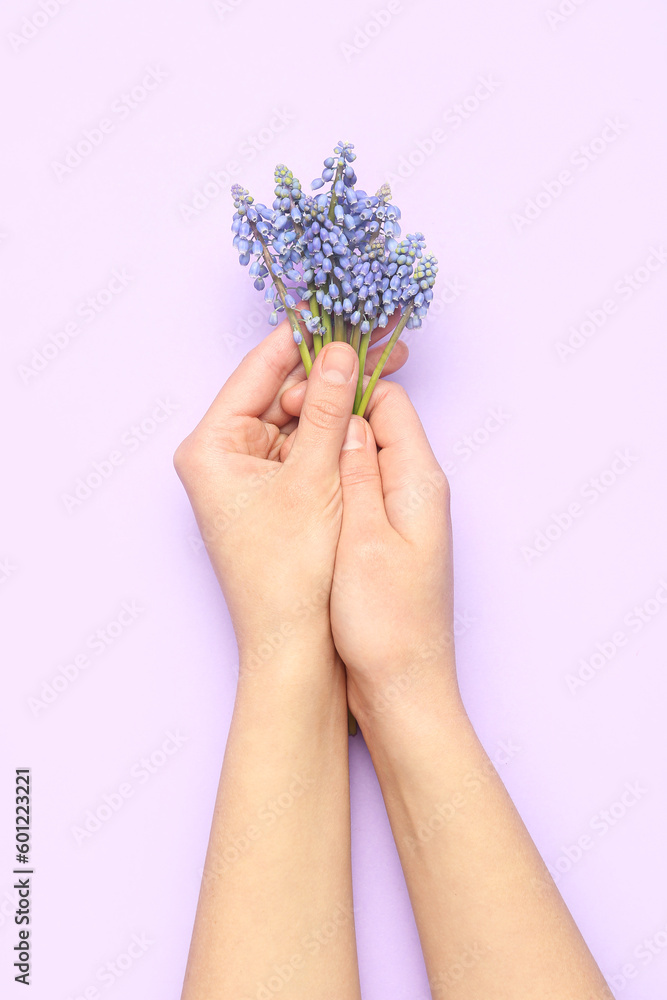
361	482
326	410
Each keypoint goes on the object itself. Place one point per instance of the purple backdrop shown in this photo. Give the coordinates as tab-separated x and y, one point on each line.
527	141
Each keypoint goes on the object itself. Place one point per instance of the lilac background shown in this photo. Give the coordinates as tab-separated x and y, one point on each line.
509	293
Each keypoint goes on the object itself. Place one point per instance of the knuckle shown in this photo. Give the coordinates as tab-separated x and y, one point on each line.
192	457
183	457
359	477
395	390
443	488
436	487
387	393
446	491
323	412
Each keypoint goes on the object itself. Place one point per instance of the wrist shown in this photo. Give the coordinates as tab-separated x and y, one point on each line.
284	644
305	691
412	705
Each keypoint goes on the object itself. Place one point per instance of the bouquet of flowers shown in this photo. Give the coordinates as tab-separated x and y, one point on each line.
333	262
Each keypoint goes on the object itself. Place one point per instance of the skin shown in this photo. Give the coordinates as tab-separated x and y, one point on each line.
338	578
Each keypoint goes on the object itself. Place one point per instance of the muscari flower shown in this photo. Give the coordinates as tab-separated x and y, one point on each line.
340	250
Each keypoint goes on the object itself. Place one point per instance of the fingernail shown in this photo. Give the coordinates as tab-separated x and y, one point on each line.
356	434
338	363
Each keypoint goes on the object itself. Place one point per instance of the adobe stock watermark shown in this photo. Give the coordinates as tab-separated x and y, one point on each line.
468	958
600	824
7	570
434	485
624	290
32	24
446	811
402	681
448	290
233	510
108	974
96	644
644	953
140	773
635	621
562	12
225	7
218	181
131	441
579	160
121	108
246	328
368	30
86	312
590	492
267	818
452	119
317	601
479	437
311	944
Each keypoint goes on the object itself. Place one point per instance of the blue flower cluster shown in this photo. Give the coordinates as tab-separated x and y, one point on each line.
338	251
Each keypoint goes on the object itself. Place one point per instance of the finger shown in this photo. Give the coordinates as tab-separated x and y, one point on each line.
286	446
397	358
363	501
275	412
253	386
412	480
291	400
326	411
380	332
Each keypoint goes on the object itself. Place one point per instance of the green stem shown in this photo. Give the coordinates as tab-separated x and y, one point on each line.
383	360
339	328
314	307
303	346
282	291
351	724
363	348
296	328
326	322
356	337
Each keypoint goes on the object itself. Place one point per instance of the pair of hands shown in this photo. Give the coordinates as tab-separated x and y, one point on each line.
329	534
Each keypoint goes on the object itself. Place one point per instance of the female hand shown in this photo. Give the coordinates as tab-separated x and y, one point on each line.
392	597
271	530
270	527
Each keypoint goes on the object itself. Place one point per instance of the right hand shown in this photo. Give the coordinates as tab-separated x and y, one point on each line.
392	595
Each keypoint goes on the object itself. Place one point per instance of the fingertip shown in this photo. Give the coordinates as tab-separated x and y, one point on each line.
338	363
292	398
356	434
325	411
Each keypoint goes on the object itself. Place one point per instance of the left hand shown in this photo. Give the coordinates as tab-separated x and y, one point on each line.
271	526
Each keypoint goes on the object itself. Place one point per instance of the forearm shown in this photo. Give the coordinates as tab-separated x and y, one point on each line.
276	897
491	921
